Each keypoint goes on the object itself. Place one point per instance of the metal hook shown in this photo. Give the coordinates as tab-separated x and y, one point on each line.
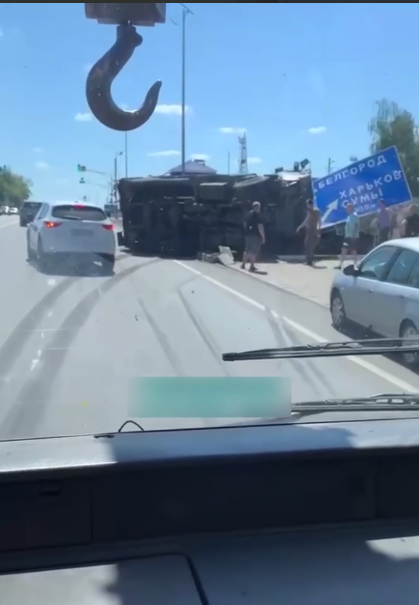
101	77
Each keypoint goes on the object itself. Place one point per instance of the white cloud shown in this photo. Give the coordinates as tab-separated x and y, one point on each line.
254	160
317	130
231	130
37	150
171	110
42	166
157	154
200	156
83	117
1	33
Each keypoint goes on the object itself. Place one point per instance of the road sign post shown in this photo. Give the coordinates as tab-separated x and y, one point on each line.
363	184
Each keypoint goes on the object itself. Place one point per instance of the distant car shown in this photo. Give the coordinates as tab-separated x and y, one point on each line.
13	210
76	231
28	211
4	209
381	294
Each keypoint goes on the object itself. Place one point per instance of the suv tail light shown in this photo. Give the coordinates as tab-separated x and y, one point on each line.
108	227
51	224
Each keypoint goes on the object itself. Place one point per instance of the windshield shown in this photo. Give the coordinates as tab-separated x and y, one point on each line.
265	196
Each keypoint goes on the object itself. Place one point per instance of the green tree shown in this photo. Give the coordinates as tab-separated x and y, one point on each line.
393	125
14	188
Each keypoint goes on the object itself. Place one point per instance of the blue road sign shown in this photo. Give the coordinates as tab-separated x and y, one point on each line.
362	183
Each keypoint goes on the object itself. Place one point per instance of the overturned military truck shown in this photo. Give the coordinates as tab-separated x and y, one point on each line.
185	216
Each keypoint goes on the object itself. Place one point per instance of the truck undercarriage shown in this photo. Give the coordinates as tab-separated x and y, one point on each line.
185	216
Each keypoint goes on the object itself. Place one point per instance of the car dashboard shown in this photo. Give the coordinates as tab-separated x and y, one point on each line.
257	515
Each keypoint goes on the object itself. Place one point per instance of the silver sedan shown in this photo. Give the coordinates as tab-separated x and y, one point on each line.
381	293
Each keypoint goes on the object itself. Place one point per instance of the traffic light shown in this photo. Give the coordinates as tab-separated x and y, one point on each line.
81	168
82	182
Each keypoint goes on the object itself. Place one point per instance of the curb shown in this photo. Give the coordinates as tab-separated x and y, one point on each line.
274	286
301	257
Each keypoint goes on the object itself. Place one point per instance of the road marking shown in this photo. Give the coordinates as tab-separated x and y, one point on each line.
8	224
370	367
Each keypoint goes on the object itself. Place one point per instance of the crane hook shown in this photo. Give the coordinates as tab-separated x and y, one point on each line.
101	77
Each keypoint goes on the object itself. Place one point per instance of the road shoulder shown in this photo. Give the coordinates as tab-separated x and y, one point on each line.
311	283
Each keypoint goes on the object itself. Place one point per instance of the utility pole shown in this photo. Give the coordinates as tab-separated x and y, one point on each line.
115	175
126	155
330	163
185	11
243	165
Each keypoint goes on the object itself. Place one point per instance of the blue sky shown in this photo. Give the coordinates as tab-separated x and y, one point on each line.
302	80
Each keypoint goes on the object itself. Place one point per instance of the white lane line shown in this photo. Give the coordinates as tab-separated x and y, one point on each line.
370	367
8	224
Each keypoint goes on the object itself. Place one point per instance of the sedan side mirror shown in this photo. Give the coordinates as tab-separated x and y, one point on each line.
350	270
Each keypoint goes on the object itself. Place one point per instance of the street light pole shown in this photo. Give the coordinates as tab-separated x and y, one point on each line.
115	175
126	155
186	11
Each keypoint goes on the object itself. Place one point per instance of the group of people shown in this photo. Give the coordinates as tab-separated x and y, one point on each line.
387	225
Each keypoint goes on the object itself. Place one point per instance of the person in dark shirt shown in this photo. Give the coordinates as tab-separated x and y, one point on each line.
411	223
254	234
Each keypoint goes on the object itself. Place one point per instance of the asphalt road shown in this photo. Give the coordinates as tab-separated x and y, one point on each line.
70	346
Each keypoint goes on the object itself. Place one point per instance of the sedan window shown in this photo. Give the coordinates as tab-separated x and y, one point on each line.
413	278
402	266
376	264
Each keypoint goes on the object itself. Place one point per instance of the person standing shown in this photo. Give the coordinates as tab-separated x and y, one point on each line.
311	224
384	223
350	243
375	231
254	234
410	225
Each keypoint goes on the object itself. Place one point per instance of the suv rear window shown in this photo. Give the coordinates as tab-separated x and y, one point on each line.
85	213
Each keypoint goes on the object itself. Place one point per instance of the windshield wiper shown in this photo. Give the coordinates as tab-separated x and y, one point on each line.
382	402
376	346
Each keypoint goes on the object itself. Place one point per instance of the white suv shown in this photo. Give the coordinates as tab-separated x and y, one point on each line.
74	230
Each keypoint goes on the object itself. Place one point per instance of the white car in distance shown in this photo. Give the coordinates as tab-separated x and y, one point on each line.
73	230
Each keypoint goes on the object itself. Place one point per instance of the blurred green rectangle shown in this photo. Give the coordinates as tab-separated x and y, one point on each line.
216	397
